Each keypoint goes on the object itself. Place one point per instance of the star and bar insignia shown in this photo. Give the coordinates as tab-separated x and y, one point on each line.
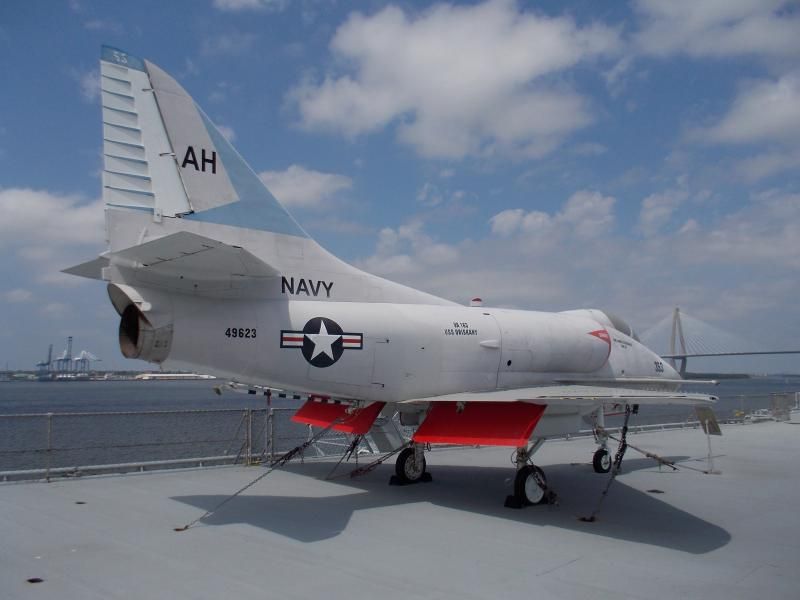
322	341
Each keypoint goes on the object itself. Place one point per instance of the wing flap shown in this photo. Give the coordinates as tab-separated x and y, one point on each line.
323	413
496	424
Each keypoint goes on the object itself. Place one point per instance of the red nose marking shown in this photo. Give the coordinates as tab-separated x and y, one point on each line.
602	334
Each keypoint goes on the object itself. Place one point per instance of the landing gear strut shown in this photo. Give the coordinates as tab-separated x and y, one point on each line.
530	483
601	461
410	466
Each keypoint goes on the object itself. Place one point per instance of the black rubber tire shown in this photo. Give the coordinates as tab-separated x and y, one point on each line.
601	461
526	490
403	467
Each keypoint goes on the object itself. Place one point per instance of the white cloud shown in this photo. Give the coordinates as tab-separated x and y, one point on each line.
55	309
189	68
408	249
244	5
614	76
690	226
332	224
762	111
17	295
457	80
585	214
228	44
223	90
298	186
40	220
657	210
766	233
590	149
50	232
106	25
731	267
90	85
227	132
719	28
761	166
508	221
589	213
430	195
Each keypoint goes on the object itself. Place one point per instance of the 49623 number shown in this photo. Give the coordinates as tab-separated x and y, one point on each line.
240	332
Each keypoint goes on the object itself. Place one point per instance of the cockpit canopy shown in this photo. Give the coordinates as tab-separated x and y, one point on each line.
607	319
622	325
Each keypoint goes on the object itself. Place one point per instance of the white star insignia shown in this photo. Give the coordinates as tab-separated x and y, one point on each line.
322	341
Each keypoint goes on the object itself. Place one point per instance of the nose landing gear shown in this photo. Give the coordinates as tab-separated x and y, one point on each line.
601	461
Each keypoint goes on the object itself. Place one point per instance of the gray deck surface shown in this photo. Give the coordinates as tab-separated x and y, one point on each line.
293	535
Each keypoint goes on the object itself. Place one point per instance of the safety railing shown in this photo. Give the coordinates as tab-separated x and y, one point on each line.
46	445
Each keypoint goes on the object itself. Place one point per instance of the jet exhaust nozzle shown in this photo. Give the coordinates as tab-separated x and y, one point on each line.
144	333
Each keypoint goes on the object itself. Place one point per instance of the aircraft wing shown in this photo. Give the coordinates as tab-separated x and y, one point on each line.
508	417
497	418
573	395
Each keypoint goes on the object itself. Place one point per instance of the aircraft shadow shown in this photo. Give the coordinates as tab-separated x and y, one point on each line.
627	514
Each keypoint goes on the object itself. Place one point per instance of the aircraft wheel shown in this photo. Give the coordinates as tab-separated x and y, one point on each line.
601	461
407	468
527	489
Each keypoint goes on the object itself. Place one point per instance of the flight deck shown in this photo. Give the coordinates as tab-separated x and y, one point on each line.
659	533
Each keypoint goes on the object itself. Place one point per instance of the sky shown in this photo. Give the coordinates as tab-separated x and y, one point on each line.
630	156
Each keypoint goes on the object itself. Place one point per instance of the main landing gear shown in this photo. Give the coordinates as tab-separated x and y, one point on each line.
410	467
530	483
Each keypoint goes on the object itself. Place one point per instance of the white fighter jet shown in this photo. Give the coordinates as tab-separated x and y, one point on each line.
209	273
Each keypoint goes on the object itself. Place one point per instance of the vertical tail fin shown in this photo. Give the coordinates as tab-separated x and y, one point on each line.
162	153
185	213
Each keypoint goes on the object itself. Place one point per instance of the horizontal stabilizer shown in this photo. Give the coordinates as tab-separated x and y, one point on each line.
580	395
92	269
203	257
183	261
498	424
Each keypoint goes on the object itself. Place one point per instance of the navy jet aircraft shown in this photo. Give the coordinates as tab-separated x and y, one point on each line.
210	273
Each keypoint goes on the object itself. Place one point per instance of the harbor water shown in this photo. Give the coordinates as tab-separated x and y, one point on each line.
78	423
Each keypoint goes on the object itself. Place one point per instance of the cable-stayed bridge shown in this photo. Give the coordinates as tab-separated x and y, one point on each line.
679	336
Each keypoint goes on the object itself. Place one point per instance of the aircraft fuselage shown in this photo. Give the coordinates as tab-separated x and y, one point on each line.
393	352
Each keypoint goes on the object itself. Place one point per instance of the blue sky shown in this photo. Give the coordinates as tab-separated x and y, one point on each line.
544	155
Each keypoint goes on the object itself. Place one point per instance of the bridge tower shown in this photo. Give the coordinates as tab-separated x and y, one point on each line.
677	336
